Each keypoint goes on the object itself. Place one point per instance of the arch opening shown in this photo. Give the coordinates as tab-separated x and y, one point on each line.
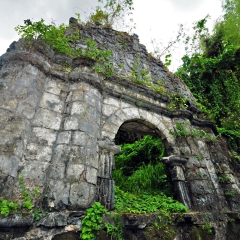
138	167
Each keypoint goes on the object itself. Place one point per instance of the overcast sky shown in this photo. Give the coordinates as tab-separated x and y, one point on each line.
155	19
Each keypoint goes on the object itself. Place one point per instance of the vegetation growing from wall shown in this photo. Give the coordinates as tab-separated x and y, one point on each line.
24	203
55	37
92	221
143	183
212	73
184	129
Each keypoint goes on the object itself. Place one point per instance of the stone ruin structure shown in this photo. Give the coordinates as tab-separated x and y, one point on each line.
58	122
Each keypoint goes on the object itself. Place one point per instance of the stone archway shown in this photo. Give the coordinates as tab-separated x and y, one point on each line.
144	122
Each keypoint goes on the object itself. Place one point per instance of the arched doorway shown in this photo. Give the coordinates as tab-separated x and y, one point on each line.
142	126
138	167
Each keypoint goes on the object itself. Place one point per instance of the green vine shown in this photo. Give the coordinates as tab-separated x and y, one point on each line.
92	222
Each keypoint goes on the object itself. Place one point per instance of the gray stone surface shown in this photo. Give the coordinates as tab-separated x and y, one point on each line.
54	219
16	220
47	119
58	128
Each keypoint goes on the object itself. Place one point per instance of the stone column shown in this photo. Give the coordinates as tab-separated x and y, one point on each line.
105	184
176	163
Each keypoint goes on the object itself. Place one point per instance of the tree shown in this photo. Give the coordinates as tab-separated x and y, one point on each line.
213	74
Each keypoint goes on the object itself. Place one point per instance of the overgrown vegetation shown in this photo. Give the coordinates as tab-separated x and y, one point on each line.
138	168
55	37
126	202
143	183
24	203
144	77
212	71
92	221
184	129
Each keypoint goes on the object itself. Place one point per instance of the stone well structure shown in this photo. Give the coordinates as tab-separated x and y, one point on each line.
58	122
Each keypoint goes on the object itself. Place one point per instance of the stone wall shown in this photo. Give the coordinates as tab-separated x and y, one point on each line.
58	125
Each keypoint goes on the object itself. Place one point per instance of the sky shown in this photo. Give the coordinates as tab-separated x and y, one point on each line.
155	20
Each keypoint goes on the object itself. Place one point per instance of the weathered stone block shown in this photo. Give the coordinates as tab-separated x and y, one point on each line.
64	137
81	195
53	86
193	162
201	187
110	127
74	172
16	220
131	113
38	152
9	164
54	219
61	154
7	140
91	175
178	174
8	103
57	171
90	156
43	136
5	115
71	123
203	149
79	108
125	105
25	110
77	96
80	138
167	122
47	119
37	171
58	194
90	99
88	127
51	102
19	148
107	110
112	101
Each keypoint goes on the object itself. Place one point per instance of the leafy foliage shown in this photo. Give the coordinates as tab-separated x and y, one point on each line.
150	178
144	78
213	74
92	221
24	203
126	202
142	181
114	12
186	130
7	207
133	155
55	37
116	230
